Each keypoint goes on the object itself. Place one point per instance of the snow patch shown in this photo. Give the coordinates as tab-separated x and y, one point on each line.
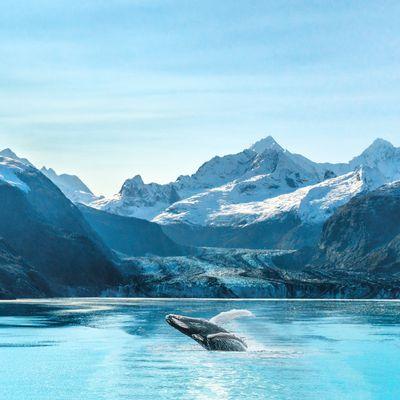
71	185
313	204
9	170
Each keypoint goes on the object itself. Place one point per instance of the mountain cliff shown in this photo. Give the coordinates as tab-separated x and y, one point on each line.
359	243
137	199
49	233
18	278
131	236
71	185
364	235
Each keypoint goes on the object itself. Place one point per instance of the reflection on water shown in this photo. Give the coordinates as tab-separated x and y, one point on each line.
123	349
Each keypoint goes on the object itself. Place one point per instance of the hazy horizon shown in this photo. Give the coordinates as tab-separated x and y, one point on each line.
108	90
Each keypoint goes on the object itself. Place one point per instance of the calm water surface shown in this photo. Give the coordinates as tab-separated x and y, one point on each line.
123	349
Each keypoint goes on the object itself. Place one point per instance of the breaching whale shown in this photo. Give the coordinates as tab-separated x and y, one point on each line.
208	333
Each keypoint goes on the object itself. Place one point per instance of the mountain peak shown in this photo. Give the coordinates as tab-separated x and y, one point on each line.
379	143
132	184
382	155
137	179
265	144
70	185
48	171
8	153
377	149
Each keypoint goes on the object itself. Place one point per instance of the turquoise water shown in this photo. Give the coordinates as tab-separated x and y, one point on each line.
123	349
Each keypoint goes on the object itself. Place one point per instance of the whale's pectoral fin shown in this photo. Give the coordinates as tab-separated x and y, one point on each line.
227	316
198	338
225	342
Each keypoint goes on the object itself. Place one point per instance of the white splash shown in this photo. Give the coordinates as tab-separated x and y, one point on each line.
227	316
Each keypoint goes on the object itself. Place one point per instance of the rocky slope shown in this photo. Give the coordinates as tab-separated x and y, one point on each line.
131	236
18	278
139	200
8	153
284	232
360	241
364	235
44	228
71	185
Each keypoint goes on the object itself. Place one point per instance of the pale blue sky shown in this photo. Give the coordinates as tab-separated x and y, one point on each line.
109	89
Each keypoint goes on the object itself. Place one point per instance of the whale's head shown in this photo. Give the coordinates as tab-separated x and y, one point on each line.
206	333
196	328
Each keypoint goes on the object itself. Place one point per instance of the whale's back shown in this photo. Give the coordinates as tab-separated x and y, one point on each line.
225	342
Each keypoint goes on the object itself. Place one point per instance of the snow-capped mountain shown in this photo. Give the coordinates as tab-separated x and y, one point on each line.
382	156
264	170
10	169
8	153
312	204
311	196
140	200
71	186
48	233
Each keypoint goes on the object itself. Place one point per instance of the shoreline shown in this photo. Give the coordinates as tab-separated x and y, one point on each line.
171	299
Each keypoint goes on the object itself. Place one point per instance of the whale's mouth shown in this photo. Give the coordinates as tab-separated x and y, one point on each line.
176	322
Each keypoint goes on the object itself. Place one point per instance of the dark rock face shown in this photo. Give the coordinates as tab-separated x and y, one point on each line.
282	233
329	174
364	235
49	232
148	194
18	278
359	251
131	236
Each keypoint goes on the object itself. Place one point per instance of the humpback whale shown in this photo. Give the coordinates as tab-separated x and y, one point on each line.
208	333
